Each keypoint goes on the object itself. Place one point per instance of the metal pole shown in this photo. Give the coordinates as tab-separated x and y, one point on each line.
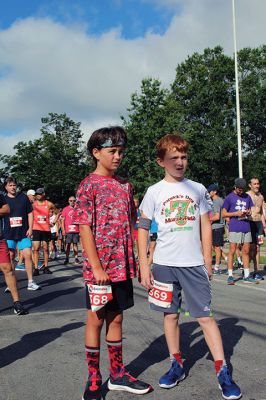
239	144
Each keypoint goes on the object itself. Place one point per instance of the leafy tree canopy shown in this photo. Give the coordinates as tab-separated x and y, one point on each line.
56	161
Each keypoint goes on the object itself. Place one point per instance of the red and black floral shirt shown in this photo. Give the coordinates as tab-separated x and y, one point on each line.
106	204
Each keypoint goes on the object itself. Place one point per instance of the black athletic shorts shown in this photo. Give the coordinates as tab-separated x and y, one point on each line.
122	296
256	228
41	236
218	237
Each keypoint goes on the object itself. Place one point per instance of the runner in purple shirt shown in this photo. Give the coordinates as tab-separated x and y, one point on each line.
237	206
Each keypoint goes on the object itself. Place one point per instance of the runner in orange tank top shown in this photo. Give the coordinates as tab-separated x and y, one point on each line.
41	230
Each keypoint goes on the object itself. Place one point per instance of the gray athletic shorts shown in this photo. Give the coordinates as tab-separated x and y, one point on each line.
194	282
240	237
72	238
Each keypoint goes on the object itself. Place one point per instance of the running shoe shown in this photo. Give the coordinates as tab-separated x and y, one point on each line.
173	376
250	280
229	388
7	290
125	382
19	309
35	272
77	261
66	261
216	272
33	286
93	386
230	280
20	267
46	270
257	276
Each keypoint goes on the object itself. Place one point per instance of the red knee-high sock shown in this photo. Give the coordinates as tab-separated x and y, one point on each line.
115	357
93	360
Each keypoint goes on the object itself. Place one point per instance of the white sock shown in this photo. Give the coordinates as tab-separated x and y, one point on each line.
217	267
246	272
30	281
230	272
239	260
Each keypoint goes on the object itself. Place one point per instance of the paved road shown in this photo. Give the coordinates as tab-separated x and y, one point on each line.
42	356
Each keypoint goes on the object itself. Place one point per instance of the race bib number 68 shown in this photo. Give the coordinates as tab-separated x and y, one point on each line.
161	294
99	295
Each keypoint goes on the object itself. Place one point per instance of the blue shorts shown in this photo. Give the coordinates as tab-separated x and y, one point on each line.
195	284
22	244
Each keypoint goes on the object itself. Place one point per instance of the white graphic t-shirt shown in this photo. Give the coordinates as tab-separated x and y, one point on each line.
177	208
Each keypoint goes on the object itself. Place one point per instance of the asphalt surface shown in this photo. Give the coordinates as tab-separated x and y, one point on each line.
42	354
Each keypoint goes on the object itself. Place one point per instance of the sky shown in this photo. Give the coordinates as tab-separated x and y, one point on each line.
86	57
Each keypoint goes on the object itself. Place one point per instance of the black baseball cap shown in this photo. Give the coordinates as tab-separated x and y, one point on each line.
240	183
213	187
40	191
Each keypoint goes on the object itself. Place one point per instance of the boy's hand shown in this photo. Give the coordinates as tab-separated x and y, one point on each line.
209	270
147	279
101	277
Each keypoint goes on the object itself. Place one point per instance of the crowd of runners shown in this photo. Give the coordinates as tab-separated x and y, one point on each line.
173	235
30	224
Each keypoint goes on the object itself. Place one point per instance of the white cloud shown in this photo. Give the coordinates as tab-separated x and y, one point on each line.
54	68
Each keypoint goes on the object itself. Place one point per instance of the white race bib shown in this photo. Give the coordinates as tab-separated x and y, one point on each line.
41	219
161	294
72	228
99	295
15	222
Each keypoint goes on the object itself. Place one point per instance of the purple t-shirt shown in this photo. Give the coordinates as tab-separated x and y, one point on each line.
233	203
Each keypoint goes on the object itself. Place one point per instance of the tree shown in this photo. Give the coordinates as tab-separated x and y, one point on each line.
201	106
55	161
252	72
203	94
144	126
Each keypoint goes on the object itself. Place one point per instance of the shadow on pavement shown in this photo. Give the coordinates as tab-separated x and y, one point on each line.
192	352
33	341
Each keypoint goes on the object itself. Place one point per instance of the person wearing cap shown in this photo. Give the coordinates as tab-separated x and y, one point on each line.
217	226
41	230
70	230
237	206
31	195
18	227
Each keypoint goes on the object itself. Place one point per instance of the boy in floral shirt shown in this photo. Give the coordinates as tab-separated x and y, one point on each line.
105	213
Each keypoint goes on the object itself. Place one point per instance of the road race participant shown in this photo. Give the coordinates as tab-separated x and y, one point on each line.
217	226
41	230
257	225
237	206
5	263
18	227
70	230
105	212
182	259
54	233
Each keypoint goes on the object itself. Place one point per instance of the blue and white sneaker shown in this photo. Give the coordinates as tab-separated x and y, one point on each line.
216	272
257	276
173	376
230	280
20	267
229	388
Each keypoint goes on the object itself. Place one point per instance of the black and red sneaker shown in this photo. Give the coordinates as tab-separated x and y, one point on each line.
93	386
125	382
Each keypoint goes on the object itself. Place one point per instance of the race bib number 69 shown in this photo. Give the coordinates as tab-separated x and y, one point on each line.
99	295
161	294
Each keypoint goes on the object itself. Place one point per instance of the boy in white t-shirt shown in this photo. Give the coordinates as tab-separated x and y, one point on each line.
182	259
